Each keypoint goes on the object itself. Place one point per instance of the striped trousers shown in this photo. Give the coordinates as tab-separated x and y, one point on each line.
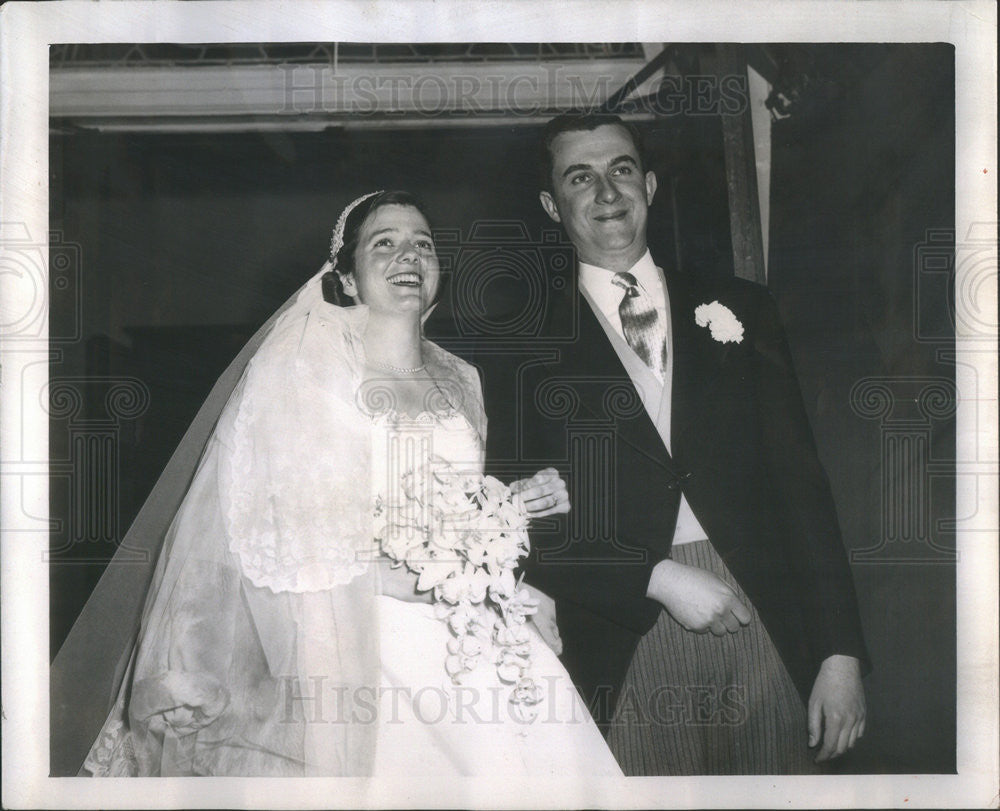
695	704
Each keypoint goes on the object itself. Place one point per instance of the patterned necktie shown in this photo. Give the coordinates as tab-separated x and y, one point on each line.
643	328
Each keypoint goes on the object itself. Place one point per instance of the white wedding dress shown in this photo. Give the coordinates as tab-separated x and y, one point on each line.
430	726
265	647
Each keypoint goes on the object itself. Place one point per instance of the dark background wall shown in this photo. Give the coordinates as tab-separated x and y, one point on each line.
180	246
862	202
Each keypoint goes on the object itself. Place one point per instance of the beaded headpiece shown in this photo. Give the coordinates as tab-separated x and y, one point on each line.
337	242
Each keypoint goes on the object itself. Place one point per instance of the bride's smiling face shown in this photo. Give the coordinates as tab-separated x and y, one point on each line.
395	265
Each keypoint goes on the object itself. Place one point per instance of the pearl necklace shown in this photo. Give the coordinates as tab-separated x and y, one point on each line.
388	367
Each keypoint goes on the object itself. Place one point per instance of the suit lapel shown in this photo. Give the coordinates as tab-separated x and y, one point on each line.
698	364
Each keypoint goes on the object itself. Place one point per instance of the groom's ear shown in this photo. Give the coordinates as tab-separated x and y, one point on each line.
549	205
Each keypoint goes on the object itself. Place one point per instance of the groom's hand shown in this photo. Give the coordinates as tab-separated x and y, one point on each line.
836	707
697	599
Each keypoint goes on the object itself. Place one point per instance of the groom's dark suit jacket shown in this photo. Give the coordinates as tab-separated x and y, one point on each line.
743	454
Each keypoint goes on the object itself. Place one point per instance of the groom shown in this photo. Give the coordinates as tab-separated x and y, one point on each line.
705	605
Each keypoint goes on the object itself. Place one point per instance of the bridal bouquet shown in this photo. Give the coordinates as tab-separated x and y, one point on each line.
463	534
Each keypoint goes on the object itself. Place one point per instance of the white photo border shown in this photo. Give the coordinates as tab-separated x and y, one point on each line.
26	31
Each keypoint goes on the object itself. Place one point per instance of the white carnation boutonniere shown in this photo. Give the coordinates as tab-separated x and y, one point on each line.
726	327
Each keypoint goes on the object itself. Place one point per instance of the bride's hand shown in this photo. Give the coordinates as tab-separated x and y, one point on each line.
544	619
400	583
543	494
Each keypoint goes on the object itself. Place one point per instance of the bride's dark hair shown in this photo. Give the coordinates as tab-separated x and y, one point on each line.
333	288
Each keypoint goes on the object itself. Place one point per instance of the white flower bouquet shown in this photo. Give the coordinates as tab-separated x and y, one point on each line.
464	534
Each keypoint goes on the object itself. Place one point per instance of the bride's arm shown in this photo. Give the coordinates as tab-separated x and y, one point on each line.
400	583
544	618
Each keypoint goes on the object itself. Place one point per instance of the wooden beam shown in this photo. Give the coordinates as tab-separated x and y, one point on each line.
422	93
741	172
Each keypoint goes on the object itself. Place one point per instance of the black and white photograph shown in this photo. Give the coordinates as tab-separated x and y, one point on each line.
454	409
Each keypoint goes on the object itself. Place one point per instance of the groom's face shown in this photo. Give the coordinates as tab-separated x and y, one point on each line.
601	195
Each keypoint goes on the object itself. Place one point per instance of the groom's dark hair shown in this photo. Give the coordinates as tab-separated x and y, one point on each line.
581	121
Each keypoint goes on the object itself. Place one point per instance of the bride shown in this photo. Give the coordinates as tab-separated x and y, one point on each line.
275	638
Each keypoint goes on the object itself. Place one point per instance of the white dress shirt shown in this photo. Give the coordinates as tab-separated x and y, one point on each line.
604	297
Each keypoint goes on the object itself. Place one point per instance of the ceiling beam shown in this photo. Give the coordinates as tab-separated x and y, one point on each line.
322	93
